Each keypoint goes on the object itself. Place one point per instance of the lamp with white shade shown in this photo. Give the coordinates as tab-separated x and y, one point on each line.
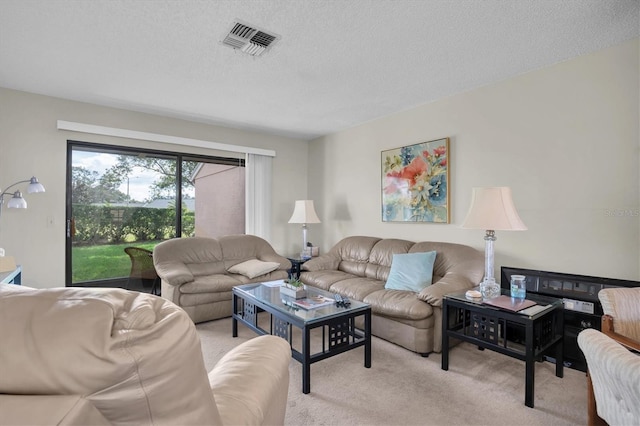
304	213
492	209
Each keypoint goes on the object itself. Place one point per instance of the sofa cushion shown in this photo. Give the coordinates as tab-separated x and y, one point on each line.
253	268
212	283
411	271
323	279
356	288
398	304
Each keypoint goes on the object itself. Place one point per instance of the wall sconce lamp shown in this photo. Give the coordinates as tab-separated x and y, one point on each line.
492	209
17	201
304	213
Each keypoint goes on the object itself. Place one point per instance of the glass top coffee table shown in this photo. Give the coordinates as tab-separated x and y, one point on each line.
338	328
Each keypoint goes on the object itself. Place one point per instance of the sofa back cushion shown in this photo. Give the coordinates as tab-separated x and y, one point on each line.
353	253
453	258
240	248
381	257
201	255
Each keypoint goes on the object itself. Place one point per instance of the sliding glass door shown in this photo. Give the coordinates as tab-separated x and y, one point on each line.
122	197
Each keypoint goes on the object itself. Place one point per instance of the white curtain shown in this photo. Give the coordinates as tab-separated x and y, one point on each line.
258	195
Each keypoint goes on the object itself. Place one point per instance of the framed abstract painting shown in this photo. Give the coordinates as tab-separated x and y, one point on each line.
415	183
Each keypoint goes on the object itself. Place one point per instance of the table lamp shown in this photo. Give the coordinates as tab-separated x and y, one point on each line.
492	209
304	213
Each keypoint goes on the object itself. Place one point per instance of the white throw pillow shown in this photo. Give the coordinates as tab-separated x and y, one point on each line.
253	268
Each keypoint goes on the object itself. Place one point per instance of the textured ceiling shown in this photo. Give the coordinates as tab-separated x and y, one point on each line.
338	63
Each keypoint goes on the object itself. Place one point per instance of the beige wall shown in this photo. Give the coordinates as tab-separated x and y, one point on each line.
30	144
565	138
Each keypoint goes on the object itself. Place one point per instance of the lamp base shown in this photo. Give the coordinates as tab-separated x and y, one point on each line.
489	288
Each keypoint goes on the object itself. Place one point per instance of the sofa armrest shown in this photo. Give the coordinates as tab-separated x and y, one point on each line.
452	282
174	273
250	384
322	263
49	410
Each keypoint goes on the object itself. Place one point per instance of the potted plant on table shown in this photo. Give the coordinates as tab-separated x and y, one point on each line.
293	287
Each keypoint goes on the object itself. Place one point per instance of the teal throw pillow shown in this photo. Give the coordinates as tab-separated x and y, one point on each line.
411	271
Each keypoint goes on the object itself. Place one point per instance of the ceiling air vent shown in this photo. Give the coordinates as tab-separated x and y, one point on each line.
249	39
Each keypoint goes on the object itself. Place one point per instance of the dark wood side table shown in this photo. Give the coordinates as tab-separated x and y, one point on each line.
526	335
296	266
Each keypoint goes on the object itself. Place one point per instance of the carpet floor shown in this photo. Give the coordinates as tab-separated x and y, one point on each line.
403	388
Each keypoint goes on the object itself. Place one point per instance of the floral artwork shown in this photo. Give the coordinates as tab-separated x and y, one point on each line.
415	183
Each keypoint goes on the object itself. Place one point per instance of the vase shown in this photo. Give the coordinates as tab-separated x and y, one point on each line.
489	288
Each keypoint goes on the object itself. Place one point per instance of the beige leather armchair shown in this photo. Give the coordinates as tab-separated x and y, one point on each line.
111	356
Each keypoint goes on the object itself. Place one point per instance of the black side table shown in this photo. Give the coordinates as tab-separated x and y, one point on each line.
296	266
526	335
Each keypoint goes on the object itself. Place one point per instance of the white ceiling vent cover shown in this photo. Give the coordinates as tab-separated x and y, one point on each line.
249	39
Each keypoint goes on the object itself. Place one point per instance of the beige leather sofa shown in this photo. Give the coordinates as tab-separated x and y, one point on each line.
358	267
197	273
111	356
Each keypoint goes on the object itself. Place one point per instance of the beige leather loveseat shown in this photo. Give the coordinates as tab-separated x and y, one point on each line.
358	267
110	356
199	273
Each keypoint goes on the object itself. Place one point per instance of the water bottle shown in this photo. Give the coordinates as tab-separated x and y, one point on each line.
518	286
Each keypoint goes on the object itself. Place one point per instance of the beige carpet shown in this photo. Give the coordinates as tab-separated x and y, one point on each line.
402	388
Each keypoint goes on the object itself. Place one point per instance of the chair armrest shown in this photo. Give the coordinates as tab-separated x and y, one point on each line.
49	409
607	328
174	273
250	384
452	282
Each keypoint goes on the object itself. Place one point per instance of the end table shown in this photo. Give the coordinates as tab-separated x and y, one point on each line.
296	266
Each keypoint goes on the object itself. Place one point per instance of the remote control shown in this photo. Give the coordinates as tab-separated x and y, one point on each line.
339	300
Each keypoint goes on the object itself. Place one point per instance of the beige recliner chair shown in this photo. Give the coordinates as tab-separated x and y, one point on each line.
111	356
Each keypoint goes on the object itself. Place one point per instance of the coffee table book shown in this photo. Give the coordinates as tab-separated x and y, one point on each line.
313	302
